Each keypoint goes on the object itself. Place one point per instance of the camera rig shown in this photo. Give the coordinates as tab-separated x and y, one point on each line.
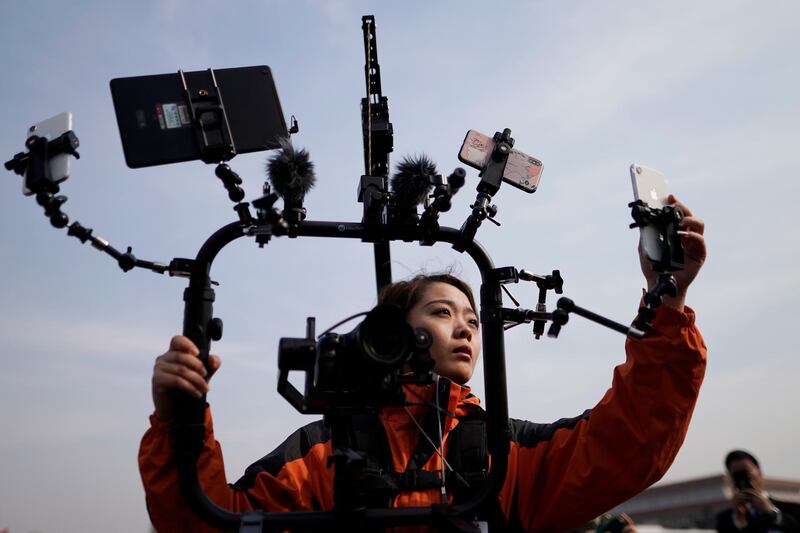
388	215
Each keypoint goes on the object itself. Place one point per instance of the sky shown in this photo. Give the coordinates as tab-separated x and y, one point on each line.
706	92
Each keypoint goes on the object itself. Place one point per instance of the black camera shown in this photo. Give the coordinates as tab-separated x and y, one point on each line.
357	371
741	480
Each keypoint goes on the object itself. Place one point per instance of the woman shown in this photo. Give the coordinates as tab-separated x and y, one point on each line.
559	475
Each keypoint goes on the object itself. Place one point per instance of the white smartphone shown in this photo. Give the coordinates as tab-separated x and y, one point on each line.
651	187
50	129
522	171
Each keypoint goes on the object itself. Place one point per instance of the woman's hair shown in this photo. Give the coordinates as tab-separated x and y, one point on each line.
405	294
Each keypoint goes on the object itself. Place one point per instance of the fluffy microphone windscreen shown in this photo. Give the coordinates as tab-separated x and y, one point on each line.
411	184
291	172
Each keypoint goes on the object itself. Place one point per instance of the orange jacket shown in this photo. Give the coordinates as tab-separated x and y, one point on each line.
560	475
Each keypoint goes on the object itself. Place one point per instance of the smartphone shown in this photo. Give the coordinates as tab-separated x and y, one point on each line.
522	171
651	187
741	480
50	129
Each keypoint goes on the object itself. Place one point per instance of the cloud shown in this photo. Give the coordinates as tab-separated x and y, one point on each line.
746	407
64	334
610	60
79	380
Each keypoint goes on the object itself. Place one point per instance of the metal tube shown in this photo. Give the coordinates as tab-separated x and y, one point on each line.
189	429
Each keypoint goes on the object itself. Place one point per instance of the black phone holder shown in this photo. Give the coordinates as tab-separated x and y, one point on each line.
207	112
491	179
34	165
665	221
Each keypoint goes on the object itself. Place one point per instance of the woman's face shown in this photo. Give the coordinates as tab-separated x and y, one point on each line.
446	313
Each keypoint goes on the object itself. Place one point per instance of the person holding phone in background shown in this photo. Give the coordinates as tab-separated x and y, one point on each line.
753	509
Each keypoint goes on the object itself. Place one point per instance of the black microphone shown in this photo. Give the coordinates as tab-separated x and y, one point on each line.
412	182
291	173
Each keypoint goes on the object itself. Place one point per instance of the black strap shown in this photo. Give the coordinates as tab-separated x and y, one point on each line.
369	436
468	456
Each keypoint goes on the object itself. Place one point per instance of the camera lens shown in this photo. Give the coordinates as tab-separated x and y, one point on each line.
385	337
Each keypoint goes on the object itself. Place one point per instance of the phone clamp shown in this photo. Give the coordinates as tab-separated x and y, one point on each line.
665	221
34	165
209	119
492	174
491	178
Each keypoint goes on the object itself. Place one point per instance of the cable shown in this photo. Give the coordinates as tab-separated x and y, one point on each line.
441	440
348	319
438	449
430	441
